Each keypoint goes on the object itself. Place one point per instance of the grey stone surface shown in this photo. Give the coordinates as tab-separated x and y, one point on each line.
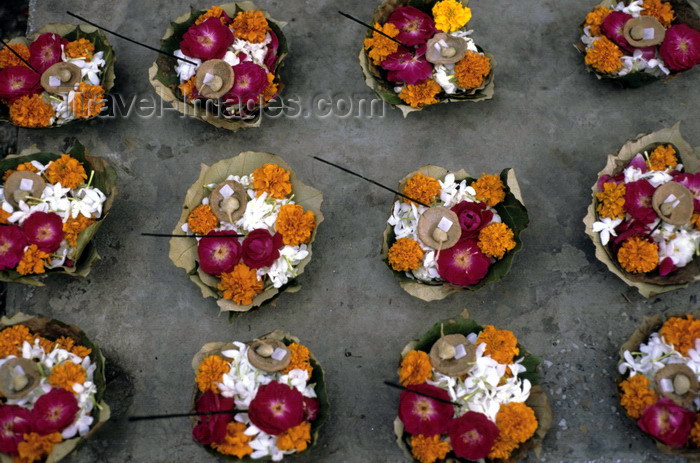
550	120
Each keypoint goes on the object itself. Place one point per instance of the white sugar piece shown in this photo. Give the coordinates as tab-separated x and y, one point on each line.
676	203
18	370
442	43
208	78
670	198
460	351
279	353
648	33
205	201
226	191
26	184
445	224
54	81
666	385
437	46
7	208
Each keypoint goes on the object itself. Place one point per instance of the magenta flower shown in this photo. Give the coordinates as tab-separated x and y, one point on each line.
261	248
472	435
404	66
272	47
681	47
12	243
208	40
628	229
276	408
218	255
212	428
613	27
415	27
691	182
638	201
423	415
54	411
638	162
472	217
45	229
311	409
250	80
45	51
667	422
667	266
463	264
15	421
18	81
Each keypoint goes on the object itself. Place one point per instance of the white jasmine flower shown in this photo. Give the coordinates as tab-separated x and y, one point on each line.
184	69
231	58
606	227
297	379
444	76
255	52
89	202
652	357
680	249
56	198
634	8
92	69
283	269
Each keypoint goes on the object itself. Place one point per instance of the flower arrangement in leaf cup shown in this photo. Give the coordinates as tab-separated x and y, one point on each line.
497	410
638	42
466	238
235	53
51	207
644	219
438	61
257	196
658	382
73	70
52	380
277	388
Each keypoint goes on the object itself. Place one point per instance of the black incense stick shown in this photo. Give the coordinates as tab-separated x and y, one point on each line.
169	235
369	180
130	40
352	18
398	386
182	415
18	56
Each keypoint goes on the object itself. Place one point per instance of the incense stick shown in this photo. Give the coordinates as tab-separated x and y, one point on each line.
352	18
398	386
130	40
370	180
182	415
18	55
169	235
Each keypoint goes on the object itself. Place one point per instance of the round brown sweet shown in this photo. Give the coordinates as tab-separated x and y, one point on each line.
633	29
428	223
69	73
681	214
457	45
31	372
670	372
13	182
452	366
217	201
220	69
267	363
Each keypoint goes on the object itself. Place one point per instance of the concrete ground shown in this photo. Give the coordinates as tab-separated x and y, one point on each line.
550	120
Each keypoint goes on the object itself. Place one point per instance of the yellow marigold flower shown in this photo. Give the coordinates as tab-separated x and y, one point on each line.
636	395
12	338
272	88
695	432
662	158
496	239
611	201
380	47
300	357
297	438
202	220
295	225
240	285
7	58
35	446
273	180
662	11
67	170
405	254
74	226
516	424
81	351
451	15
695	220
638	255
251	26
24	167
211	371
681	333
213	12
605	56
490	189
595	19
415	368
66	375
236	441
88	100
501	345
33	260
187	89
472	70
31	111
428	449
421	94
421	188
81	48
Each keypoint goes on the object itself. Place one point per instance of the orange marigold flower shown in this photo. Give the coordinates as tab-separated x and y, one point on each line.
516	424
211	371
636	395
241	285
88	100
695	432
638	255
44	343
251	26
297	438
236	441
501	345
496	239
35	446
213	12
295	225
681	333
24	167
695	220
300	357
187	89
81	48
472	70
380	47
415	368
605	56
7	58
31	111
4	215
490	189
428	449
273	180
66	375
12	338
611	201
272	88
66	170
202	220
74	227
662	11
421	188
421	94
81	351
33	260
595	19
405	254
64	343
662	158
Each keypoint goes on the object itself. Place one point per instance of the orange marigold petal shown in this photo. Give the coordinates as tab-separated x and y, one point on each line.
496	239
662	158
663	11
296	438
36	446
636	395
273	180
240	285
31	111
251	26
421	188
604	56
7	58
595	19
421	94
415	368
66	375
611	201
516	424
489	189
681	333
211	371
295	225
300	359
33	261
638	255
472	70
501	345
380	47
67	171
81	48
236	441
428	449
405	255
88	100
202	220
